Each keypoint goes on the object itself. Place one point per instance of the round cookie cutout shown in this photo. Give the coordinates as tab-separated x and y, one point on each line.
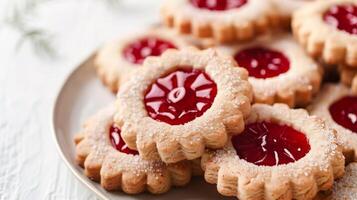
117	60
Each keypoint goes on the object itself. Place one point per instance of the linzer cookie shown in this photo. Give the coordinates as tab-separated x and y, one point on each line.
105	157
282	154
338	106
117	60
223	20
328	30
181	102
279	69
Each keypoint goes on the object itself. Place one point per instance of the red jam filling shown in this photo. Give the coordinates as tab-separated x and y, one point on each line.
218	5
262	62
343	17
270	144
180	96
344	112
118	142
137	51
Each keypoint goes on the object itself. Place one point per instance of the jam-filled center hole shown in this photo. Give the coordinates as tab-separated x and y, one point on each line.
262	62
137	51
342	17
118	142
218	5
180	96
344	112
270	144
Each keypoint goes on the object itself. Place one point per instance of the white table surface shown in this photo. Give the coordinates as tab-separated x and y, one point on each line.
30	166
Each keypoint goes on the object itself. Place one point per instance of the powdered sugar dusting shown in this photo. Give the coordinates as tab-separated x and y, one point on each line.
132	116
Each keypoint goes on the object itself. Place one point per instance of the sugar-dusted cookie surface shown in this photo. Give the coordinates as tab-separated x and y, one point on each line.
181	102
279	69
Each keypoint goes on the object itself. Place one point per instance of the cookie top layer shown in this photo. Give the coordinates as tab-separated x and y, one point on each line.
181	102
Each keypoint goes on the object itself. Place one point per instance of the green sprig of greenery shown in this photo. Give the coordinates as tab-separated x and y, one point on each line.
39	39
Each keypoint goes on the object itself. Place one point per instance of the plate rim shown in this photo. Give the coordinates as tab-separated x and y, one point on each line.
58	93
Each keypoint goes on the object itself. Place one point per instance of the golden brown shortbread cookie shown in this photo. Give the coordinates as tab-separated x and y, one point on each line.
278	174
240	20
115	61
106	159
319	32
286	73
181	102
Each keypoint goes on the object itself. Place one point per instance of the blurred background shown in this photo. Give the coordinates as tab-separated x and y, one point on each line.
41	41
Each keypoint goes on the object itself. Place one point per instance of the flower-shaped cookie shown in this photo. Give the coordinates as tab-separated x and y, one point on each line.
282	154
223	20
337	105
284	10
279	69
117	60
328	30
348	76
181	102
345	188
106	158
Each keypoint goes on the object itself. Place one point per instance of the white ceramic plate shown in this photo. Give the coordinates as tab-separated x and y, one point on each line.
82	95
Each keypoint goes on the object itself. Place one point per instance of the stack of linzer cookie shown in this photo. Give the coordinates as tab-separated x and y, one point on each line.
222	93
